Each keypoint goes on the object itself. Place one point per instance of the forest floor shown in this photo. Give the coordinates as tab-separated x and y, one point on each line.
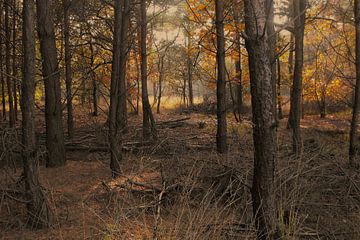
180	188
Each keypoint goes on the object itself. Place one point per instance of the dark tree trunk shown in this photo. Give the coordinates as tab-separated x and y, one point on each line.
9	81
149	127
353	159
161	78
14	59
94	82
189	72
295	107
184	92
53	111
272	50
291	73
115	137
68	70
264	121
279	97
39	213
221	135
3	101
239	86
122	106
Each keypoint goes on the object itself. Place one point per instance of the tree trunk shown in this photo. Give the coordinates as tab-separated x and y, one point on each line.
3	101
239	86
189	71
114	127
295	108
161	76
9	81
291	74
353	159
149	127
39	213
68	69
279	97
94	82
272	50
53	111
264	121
184	92
122	106
14	59
221	135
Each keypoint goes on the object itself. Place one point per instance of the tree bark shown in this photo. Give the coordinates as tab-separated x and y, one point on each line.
149	127
9	81
272	50
14	59
353	159
3	101
279	97
239	86
53	110
190	69
94	82
39	213
221	135
115	138
122	111
295	105
161	79
68	70
264	121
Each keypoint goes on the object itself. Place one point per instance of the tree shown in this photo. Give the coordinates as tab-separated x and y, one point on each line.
264	121
68	69
149	127
14	59
9	82
355	116
295	105
118	110
38	210
50	70
3	100
221	135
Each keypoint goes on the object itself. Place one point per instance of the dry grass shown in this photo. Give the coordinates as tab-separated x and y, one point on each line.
180	188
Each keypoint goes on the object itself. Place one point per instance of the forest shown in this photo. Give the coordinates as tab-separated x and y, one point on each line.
180	119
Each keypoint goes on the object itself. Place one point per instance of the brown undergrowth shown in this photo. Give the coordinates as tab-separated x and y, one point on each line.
179	188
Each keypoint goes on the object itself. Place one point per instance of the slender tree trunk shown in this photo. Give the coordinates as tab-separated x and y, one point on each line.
9	81
14	59
184	91
299	16
272	50
190	69
3	101
68	70
279	97
138	84
39	212
291	73
53	111
115	138
264	121
239	87
161	76
94	82
149	127
221	136
353	159
122	107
